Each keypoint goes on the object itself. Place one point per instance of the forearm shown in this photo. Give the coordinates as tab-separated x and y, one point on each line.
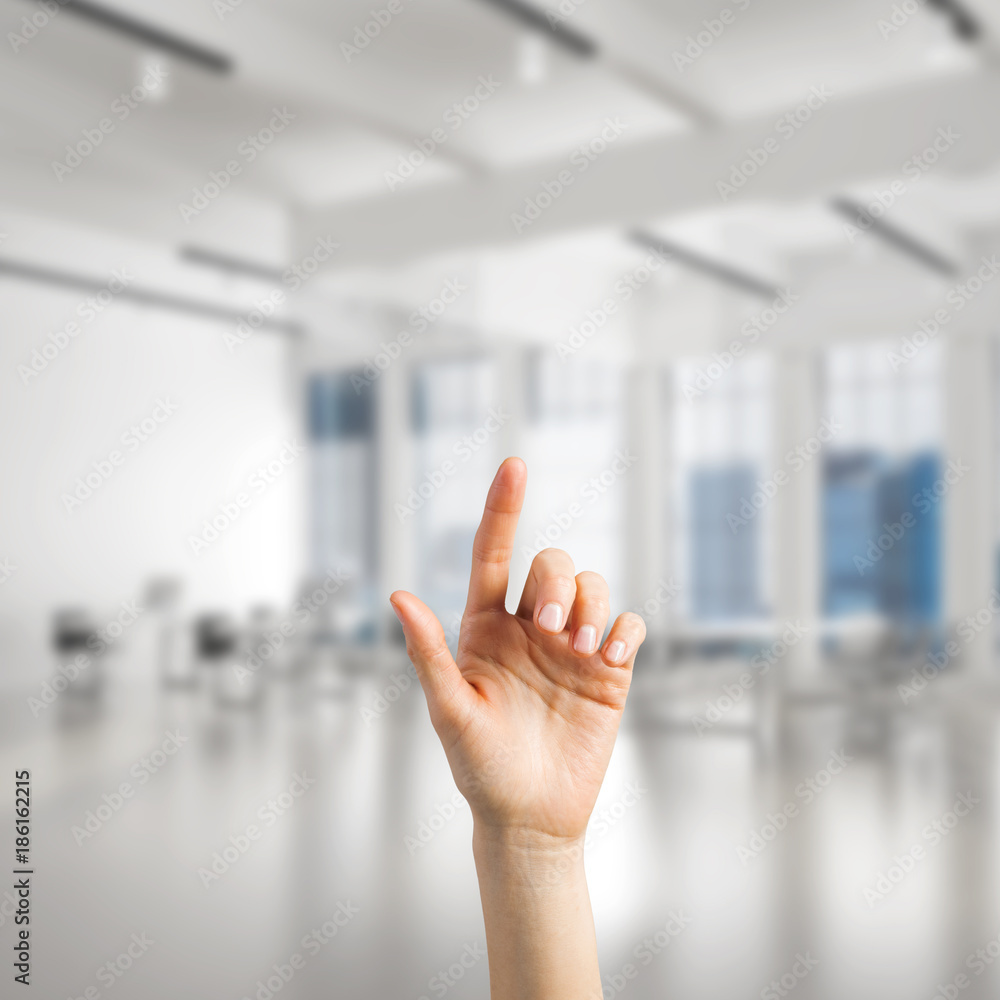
539	925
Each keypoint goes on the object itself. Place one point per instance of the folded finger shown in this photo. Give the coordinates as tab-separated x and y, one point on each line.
624	640
590	613
549	591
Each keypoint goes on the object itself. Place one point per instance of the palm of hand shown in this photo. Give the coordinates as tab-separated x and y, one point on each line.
539	736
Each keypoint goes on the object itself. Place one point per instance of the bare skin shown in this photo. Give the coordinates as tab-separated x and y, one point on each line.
528	715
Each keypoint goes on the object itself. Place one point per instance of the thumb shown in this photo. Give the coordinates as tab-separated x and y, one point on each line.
448	693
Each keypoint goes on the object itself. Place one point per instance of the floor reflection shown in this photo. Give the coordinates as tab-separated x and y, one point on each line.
756	839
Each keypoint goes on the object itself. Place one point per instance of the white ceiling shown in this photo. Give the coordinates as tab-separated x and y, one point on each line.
355	118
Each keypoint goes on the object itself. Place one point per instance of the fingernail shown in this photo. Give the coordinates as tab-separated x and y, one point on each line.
550	618
586	639
398	615
616	651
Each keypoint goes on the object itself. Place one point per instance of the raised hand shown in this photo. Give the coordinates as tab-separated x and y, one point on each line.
529	713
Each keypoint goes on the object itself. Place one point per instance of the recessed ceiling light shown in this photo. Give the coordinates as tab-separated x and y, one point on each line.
946	55
533	56
155	72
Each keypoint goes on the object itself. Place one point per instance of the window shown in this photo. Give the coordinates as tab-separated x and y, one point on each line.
578	489
881	516
720	442
342	435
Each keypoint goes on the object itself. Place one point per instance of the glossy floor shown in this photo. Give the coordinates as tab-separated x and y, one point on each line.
846	848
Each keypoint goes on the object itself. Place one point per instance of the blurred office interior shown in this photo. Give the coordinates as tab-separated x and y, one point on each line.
281	285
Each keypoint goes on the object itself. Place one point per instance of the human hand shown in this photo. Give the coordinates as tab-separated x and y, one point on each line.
529	713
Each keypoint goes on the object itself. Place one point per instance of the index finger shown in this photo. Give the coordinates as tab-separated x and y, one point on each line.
494	542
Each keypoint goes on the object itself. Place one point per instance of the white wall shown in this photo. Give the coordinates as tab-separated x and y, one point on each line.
235	408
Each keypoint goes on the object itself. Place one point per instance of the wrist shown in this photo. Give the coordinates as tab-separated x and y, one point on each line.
529	857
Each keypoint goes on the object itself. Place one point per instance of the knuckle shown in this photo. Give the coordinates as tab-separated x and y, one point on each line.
490	553
595	604
439	652
633	623
553	557
593	581
559	582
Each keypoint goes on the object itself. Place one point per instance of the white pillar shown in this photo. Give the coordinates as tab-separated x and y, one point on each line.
395	474
970	537
797	542
970	508
647	529
511	360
